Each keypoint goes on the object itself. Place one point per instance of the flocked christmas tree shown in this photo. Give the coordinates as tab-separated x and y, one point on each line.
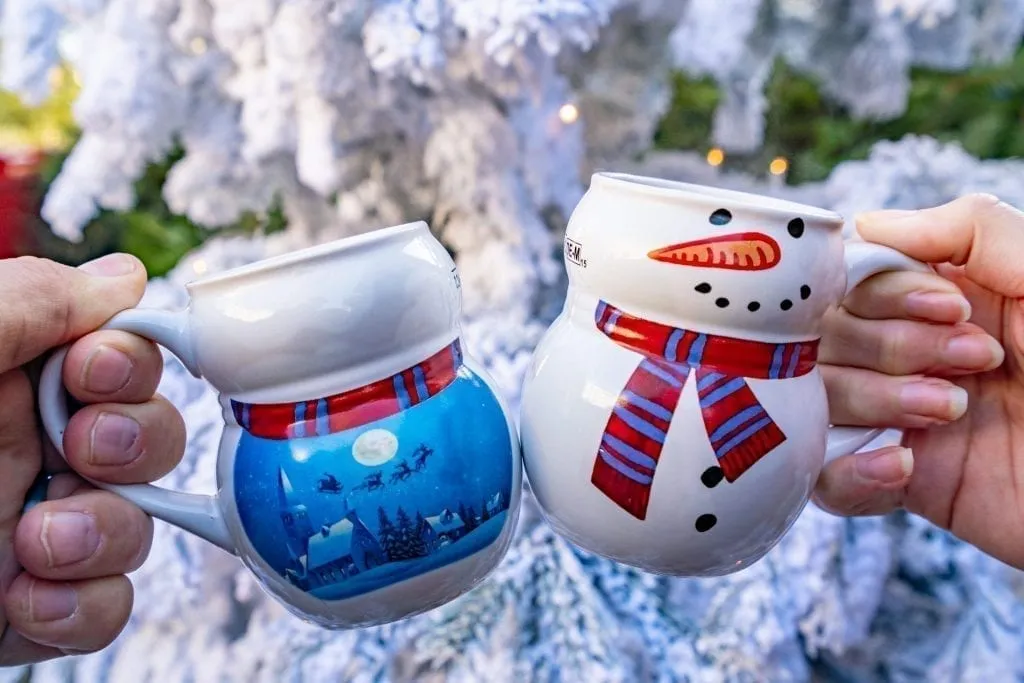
485	117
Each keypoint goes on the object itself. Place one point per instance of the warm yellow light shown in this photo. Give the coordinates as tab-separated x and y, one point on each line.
199	265
778	166
197	45
716	156
569	113
56	77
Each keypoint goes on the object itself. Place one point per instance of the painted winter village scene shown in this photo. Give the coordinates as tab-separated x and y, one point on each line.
325	561
201	135
347	513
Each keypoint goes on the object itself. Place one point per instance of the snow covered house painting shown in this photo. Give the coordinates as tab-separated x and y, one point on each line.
494	505
441	530
341	550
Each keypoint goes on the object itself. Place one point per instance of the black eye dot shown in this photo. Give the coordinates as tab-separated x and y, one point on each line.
796	227
721	302
786	304
805	291
753	306
720	217
703	288
705	522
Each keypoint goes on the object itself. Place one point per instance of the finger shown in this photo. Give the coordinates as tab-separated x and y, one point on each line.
17	650
909	295
125	444
868	398
977	231
87	535
872	483
46	304
83	616
113	366
19	446
65	484
905	347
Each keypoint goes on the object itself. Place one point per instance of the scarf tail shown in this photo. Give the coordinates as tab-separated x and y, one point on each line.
635	434
740	430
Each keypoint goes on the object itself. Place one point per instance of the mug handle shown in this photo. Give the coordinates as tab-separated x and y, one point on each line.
196	513
862	260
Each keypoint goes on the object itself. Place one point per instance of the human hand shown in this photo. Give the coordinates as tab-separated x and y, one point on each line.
967	474
63	563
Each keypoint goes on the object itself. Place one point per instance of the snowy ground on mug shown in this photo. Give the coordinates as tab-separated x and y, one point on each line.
393	572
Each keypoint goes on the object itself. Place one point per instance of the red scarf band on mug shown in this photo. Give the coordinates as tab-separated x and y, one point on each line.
353	408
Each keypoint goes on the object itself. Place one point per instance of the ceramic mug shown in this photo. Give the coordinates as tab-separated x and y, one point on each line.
368	469
673	417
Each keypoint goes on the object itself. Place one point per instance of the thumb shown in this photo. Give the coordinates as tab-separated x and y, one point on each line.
871	483
977	231
46	304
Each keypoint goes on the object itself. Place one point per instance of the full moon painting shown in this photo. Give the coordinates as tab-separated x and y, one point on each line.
375	447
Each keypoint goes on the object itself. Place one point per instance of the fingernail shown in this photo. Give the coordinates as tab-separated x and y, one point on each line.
887	467
68	537
111	265
945	401
973	352
115	440
938	306
51	602
106	370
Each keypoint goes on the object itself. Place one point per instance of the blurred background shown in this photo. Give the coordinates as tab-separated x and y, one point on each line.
806	135
205	134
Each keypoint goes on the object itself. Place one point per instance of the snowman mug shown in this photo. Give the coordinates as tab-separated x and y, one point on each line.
368	470
673	417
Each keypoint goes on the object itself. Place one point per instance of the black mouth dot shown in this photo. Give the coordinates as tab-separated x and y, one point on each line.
805	291
796	227
753	306
705	522
720	217
703	288
712	477
786	304
721	302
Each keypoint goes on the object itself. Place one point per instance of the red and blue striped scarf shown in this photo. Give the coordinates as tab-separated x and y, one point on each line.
739	429
353	408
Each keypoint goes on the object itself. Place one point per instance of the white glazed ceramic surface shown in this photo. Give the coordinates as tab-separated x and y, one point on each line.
654	250
301	508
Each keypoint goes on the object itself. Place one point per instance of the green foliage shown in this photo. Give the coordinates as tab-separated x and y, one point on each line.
982	109
49	125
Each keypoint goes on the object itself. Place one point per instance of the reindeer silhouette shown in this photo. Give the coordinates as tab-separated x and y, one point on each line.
423	451
372	482
401	473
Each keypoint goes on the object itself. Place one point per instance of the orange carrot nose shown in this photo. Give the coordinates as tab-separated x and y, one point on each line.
740	251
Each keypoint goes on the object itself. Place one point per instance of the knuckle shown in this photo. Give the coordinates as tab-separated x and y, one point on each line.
892	346
51	307
981	202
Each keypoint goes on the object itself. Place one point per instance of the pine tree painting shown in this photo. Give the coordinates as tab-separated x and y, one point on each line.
386	534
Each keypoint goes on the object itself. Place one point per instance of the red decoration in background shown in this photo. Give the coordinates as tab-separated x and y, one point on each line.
19	199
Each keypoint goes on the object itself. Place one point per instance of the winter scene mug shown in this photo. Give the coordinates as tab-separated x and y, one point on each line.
368	469
673	417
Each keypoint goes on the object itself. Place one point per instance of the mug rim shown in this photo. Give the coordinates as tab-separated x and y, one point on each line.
307	254
677	189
